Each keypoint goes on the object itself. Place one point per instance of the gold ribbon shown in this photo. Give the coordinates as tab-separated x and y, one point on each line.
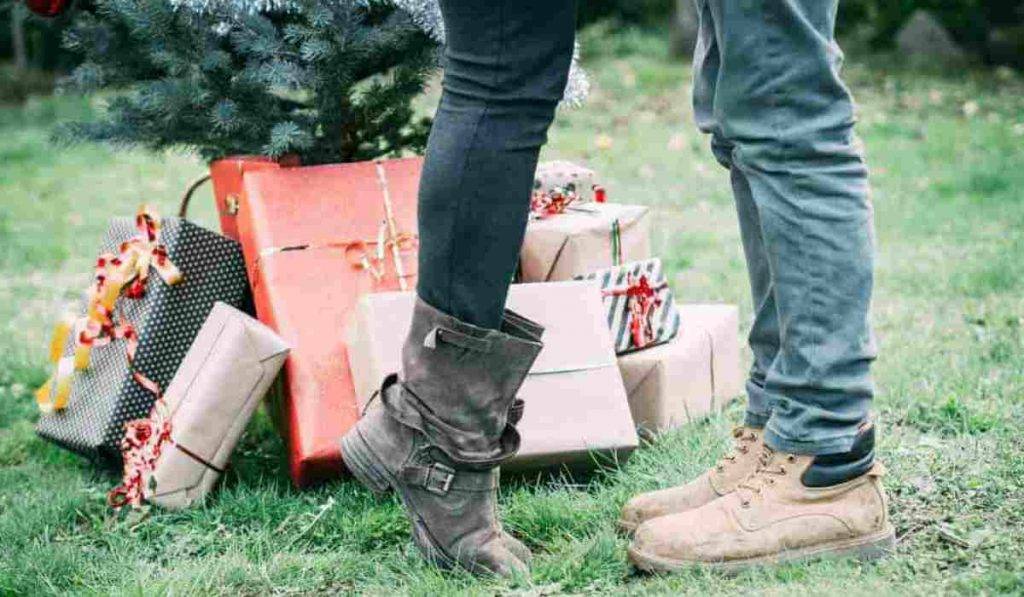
125	273
370	255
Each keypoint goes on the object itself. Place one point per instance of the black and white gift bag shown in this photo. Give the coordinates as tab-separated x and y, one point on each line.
105	396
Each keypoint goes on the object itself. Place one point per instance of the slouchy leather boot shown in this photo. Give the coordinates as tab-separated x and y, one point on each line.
438	432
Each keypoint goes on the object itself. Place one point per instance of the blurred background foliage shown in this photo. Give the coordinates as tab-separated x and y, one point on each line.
30	46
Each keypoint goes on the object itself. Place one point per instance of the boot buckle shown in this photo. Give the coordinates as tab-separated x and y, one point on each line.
439	478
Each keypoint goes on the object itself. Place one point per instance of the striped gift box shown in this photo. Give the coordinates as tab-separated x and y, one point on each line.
640	306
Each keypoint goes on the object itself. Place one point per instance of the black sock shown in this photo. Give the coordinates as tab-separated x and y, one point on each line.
827	470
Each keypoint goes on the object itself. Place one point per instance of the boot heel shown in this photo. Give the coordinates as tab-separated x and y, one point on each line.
365	467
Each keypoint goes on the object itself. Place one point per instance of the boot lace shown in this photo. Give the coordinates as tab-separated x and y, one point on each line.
770	466
742	438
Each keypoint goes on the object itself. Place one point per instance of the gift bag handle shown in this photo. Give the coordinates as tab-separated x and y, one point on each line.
187	197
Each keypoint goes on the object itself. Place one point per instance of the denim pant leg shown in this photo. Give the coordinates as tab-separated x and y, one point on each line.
767	88
506	66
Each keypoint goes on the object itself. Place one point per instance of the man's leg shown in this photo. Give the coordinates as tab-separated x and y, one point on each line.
741	461
785	121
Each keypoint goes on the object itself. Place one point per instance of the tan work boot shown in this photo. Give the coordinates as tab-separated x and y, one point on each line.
714	483
773	517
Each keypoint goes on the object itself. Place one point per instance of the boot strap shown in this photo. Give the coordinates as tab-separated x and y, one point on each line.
439	479
450	336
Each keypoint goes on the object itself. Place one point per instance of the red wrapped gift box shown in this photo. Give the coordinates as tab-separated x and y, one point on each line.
315	239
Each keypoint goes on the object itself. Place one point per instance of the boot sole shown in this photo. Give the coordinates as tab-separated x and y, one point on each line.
371	472
869	547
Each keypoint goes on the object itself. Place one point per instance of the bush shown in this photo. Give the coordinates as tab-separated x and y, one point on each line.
626	12
969	21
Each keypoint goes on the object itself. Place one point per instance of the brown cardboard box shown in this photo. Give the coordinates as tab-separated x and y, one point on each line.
579	241
215	392
689	378
575	402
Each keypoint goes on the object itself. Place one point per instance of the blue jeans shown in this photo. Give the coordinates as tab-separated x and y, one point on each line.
767	89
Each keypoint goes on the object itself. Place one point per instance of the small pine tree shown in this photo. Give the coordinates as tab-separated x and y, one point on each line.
327	80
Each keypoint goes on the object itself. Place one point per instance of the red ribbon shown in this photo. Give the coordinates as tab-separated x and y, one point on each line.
641	301
143	443
544	204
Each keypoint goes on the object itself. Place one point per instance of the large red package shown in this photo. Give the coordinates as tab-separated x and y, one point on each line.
315	239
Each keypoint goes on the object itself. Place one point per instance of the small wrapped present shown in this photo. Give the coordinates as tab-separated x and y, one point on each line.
576	413
559	176
155	283
315	239
207	406
641	311
689	378
583	239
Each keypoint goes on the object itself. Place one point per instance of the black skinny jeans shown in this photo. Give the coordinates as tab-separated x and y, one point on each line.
506	67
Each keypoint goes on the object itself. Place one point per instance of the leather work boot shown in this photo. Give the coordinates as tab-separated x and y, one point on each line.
713	484
793	508
439	431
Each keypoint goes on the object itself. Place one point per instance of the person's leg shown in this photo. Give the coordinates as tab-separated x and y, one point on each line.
506	66
443	425
741	462
788	120
784	119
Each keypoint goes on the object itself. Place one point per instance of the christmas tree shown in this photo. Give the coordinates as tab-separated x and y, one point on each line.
327	80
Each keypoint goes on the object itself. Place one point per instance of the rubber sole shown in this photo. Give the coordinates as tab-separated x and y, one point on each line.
868	547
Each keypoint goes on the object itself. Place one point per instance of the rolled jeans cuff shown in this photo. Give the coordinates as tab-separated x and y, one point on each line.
756	420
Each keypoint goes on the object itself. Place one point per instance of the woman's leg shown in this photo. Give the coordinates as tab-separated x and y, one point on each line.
441	428
507	62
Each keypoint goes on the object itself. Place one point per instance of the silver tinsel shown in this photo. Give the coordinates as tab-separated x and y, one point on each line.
237	6
425	13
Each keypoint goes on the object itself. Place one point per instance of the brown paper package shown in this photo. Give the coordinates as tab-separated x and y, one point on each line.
576	409
211	399
693	376
579	241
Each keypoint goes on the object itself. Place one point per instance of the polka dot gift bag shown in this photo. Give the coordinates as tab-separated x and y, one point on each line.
155	283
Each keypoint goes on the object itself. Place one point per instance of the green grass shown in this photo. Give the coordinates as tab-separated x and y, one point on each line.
949	313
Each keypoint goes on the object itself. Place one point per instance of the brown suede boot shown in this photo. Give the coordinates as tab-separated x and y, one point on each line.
778	514
438	433
714	483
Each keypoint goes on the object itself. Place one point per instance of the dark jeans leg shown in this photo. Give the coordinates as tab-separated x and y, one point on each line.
506	67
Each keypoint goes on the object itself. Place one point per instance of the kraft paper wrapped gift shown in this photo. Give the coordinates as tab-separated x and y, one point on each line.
312	242
559	175
576	413
583	239
211	399
690	377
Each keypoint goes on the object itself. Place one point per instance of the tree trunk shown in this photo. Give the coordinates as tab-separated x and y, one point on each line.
18	36
683	34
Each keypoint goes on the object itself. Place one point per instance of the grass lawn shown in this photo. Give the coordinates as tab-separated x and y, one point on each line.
947	158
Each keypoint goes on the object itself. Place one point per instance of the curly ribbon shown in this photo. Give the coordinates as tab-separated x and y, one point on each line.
641	300
126	273
544	204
